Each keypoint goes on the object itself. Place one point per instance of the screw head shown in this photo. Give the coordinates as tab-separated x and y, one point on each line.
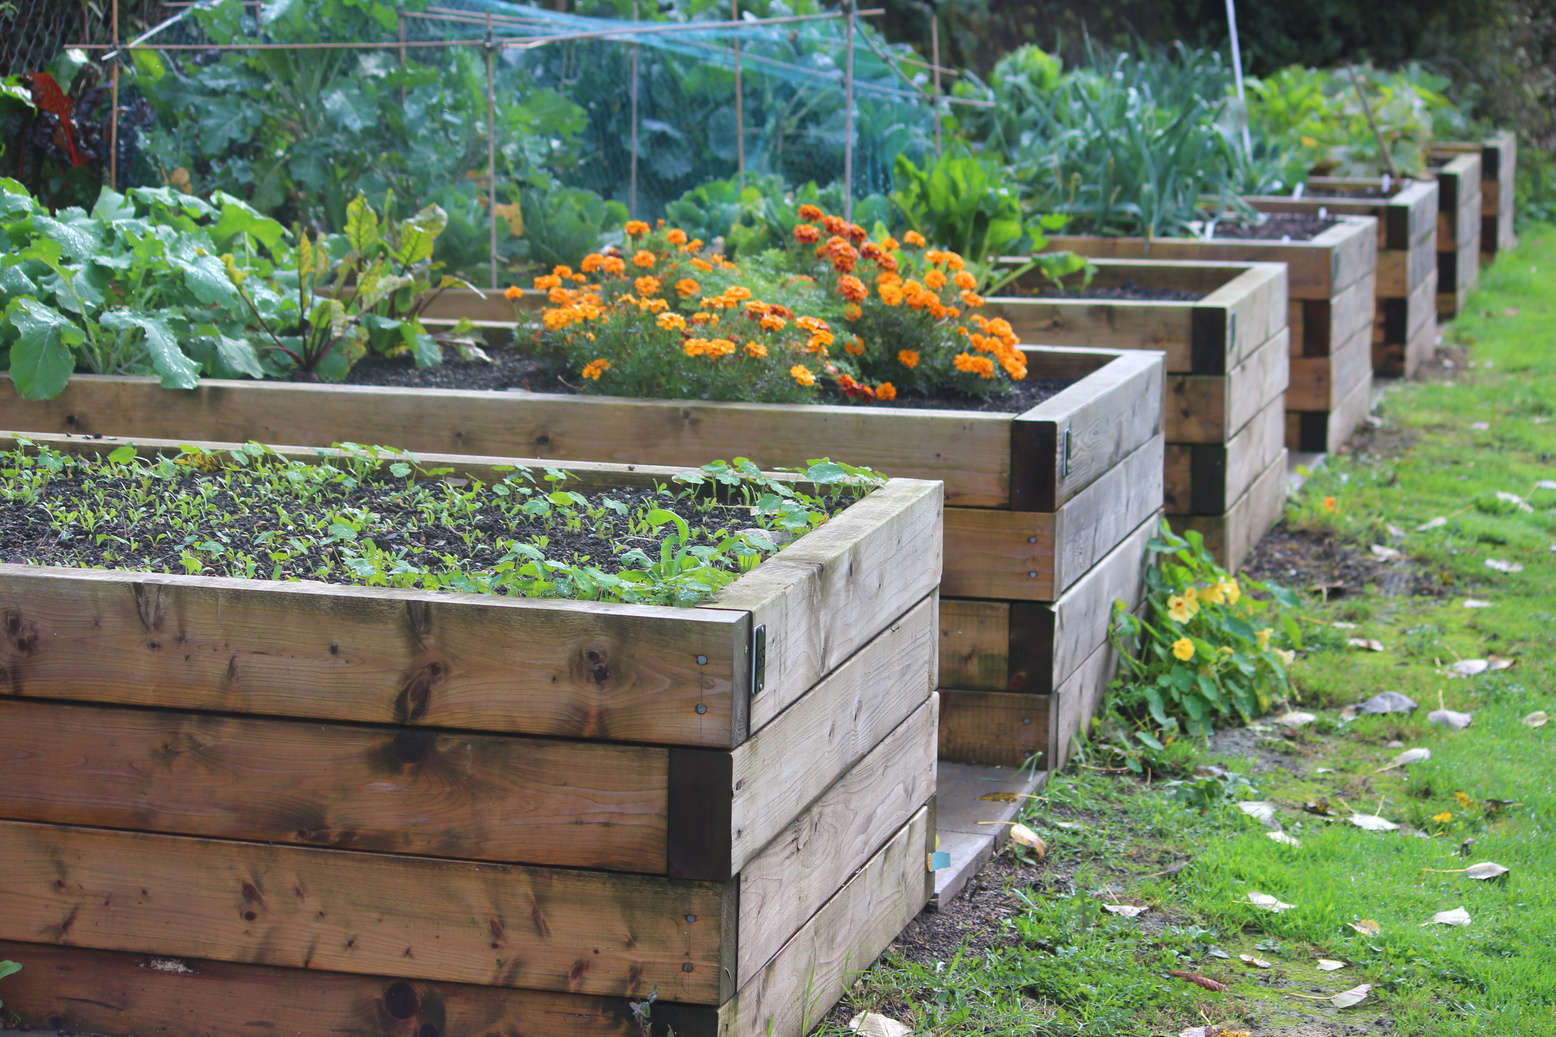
1031	540
1032	575
686	966
701	709
1026	720
702	660
691	918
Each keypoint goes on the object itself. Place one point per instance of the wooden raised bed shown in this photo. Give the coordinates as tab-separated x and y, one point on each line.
1404	329
1498	162
1035	500
1458	229
1330	282
1227	360
529	809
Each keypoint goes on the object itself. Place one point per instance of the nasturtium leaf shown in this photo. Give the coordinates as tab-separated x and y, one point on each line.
122	455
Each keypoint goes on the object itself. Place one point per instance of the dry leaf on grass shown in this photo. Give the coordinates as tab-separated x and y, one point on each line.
1515	500
1537	719
1458	916
1284	839
1006	797
1471	667
1367	927
1372	823
1481	426
1259	810
1502	565
1484	870
1388	554
1436	523
1546	484
1258	963
1024	836
1198	980
1450	718
1352	997
1477	603
1295	719
1388	702
1125	910
1329	964
1405	759
873	1024
1371	644
1267	902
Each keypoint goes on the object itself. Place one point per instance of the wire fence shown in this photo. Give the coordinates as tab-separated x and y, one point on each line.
536	131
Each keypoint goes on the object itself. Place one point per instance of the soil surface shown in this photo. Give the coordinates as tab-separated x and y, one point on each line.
521	371
1129	289
1277	226
1318	564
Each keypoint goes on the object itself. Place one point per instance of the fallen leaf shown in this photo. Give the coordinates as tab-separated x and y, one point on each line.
1388	702
1284	839
1209	770
1476	603
1480	426
1343	626
1295	719
1260	811
1066	824
1320	807
1484	870
1217	952
1458	916
1372	823
1323	770
1024	836
1367	927
1471	667
1259	963
1268	903
1371	644
1395	531
1436	523
1199	981
1329	965
1388	554
1537	719
873	1024
1496	806
1352	997
1125	910
1515	500
1502	565
1546	484
1405	759
1449	718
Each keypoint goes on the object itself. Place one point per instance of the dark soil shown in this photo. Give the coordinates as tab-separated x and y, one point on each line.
1277	226
1319	564
1129	289
521	371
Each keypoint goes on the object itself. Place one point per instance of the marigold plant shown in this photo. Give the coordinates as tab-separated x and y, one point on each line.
1204	648
833	315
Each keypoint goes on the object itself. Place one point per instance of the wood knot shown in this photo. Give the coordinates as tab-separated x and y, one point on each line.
594	666
410	747
401	1000
416	696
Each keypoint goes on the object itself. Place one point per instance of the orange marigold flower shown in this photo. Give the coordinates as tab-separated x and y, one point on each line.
806	234
800	373
907	357
819	342
913	239
852	311
756	350
705	318
935	280
686	287
773	322
889	243
1329	504
546	282
886	391
513	292
891	294
978	365
737	292
636	228
695	346
854	346
702	264
720	347
811	213
856	233
653	305
835	225
694	245
615	265
647	285
953	261
594	368
972	299
965	281
643	258
1015	366
846	381
592	262
671	322
563	272
676	236
852	289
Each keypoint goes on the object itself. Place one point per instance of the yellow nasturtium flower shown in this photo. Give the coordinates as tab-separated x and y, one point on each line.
1183	648
1181	608
1214	594
1233	591
1287	656
1263	637
1442	818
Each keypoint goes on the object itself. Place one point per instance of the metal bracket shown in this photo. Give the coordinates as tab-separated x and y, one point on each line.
1231	334
758	659
1066	446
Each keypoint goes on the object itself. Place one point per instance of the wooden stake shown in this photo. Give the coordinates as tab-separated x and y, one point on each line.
632	186
399	16
1388	159
113	107
740	122
491	144
848	111
934	46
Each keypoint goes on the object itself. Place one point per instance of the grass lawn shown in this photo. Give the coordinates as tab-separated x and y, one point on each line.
1034	950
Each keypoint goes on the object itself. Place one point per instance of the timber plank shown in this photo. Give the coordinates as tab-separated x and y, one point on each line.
794	992
1034	556
827	594
1405	214
1203	479
1419	314
119	994
335	910
390	790
1320	383
1212	408
813	856
376	655
1326	431
968	450
975	643
1230	538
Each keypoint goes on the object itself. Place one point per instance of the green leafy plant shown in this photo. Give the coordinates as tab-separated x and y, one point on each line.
1204	650
8	968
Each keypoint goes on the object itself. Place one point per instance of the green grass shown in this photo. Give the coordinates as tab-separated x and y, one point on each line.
1067	967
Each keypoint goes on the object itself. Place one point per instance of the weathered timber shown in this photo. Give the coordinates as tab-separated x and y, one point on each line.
1412	321
1203	479
1035	556
1458	228
1325	432
1243	306
1319	383
1498	159
1214	408
1231	537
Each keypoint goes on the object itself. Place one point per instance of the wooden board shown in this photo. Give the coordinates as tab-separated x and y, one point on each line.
1318	325
1035	556
1325	432
814	969
1213	408
1317	269
1419	315
1320	383
1405	214
578	931
1202	479
1457	273
1243	305
1033	648
1231	537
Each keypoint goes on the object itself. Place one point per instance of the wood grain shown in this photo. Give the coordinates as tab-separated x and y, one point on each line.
1320	383
374	655
813	856
573	931
119	994
826	595
1204	479
1232	537
1419	315
1212	408
814	969
390	790
975	644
